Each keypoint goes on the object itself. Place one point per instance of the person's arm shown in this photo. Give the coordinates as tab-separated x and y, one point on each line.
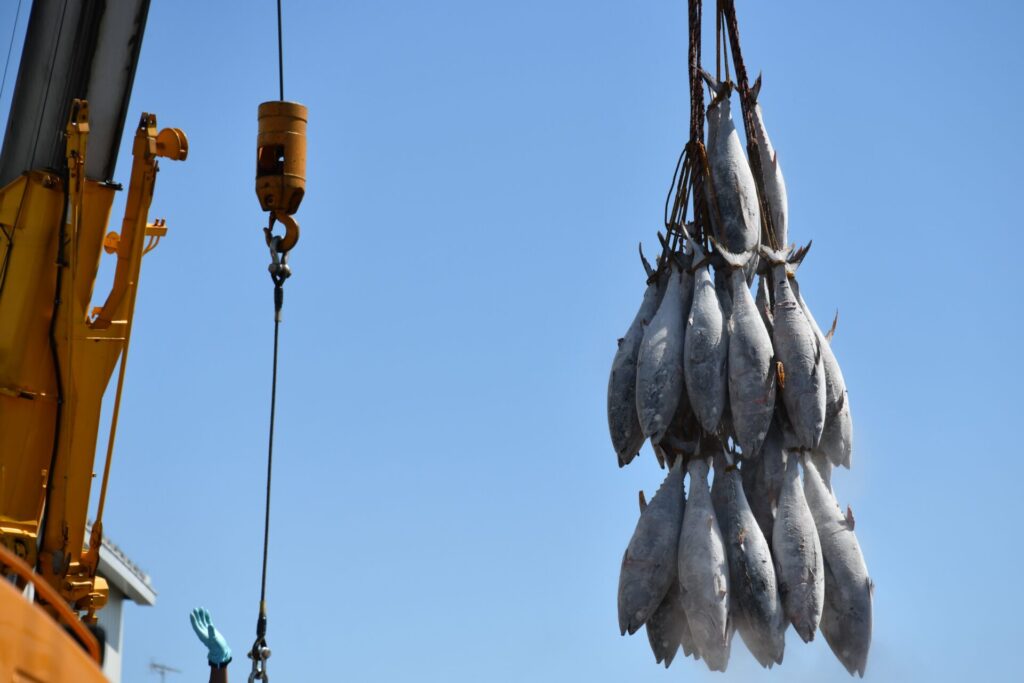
218	652
219	674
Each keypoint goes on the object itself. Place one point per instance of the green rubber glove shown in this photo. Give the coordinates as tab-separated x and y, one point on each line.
202	624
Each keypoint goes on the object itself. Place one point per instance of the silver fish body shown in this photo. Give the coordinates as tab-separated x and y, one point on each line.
623	422
751	370
659	372
837	437
732	193
706	352
797	554
846	613
757	496
704	573
754	595
774	183
797	347
648	566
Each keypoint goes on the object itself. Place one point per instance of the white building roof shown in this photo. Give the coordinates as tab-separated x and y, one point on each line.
123	574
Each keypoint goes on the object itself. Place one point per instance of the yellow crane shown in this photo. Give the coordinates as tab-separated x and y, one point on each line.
60	343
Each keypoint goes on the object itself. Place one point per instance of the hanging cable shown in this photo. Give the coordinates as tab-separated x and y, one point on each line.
280	186
280	52
10	48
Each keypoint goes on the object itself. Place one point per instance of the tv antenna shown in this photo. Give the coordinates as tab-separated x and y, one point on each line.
162	669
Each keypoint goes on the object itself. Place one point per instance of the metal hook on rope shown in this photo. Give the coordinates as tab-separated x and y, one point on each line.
291	231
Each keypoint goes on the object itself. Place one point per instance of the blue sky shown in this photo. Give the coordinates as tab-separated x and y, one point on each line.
447	505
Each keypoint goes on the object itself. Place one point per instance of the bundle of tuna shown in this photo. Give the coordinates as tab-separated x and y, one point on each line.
717	378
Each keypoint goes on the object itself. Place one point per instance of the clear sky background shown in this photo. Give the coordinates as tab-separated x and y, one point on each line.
447	505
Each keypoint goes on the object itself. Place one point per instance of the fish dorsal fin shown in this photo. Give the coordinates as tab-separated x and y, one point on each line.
643	502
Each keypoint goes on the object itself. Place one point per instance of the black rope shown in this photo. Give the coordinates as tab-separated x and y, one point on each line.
280	52
10	48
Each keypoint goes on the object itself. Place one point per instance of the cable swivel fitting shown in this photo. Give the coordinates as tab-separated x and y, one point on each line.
279	269
259	655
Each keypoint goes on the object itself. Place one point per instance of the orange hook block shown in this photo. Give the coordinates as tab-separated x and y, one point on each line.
281	156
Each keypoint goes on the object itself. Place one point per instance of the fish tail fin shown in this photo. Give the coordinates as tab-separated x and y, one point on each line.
698	251
731	259
643	259
797	255
773	256
715	85
755	90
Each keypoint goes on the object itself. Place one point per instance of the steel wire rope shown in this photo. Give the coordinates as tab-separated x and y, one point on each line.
279	273
10	48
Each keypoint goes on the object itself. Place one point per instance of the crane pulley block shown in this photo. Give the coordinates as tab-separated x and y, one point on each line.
281	156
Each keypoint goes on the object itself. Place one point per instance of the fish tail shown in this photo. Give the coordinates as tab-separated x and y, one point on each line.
755	89
773	256
715	85
732	259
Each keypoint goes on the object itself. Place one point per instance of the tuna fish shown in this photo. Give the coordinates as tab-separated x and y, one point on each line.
703	572
774	183
846	614
648	566
623	422
750	367
754	595
837	437
797	554
706	349
797	347
665	627
731	195
659	372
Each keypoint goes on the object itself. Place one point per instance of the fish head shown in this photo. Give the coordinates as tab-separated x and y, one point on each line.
640	591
